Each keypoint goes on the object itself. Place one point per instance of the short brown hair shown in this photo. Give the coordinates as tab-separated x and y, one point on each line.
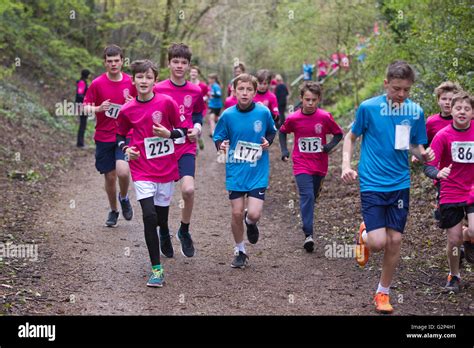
245	78
195	67
311	86
400	69
462	96
179	50
113	50
264	75
241	66
446	87
142	66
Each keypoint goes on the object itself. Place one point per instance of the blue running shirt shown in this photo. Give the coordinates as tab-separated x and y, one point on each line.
384	165
245	130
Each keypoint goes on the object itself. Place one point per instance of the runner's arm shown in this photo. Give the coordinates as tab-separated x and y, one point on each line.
178	133
121	142
431	171
333	143
197	121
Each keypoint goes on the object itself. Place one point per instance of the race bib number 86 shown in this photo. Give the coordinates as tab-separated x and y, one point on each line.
462	152
158	147
246	151
310	145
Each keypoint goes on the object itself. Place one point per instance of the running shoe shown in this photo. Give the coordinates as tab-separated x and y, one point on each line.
240	260
382	303
453	284
112	219
361	250
157	279
309	244
166	247
127	210
252	230
187	247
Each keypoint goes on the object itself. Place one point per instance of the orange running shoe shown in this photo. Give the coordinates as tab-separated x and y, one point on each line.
361	251
382	303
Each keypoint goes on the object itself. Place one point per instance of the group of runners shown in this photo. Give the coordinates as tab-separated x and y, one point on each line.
151	129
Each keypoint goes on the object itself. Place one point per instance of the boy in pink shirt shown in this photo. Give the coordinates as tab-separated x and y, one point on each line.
310	153
444	94
105	97
190	106
454	147
231	100
264	96
155	121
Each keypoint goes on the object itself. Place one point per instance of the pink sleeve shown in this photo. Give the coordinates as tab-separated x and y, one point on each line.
334	128
274	106
173	114
286	126
198	105
123	124
90	95
437	147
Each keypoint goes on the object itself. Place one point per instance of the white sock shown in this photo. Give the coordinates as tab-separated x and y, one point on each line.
123	198
240	247
383	290
248	221
457	275
364	236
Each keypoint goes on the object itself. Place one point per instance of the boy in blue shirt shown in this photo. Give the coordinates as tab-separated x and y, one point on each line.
391	125
244	132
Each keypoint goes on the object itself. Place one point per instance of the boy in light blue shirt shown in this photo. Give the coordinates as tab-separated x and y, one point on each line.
391	125
244	132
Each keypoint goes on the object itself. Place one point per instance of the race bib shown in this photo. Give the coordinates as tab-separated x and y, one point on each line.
248	152
462	152
310	145
402	137
113	111
158	147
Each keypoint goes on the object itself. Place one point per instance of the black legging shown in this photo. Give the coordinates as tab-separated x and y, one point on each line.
154	216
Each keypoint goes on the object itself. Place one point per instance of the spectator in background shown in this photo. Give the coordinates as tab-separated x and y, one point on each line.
282	94
273	84
323	66
307	71
81	89
238	69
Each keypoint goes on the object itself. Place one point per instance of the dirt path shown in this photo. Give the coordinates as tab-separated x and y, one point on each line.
91	269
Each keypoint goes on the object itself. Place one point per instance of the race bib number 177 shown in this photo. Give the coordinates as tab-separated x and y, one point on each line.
248	152
462	152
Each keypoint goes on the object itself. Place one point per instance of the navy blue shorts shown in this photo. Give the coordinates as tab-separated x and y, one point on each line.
385	209
187	165
258	193
106	153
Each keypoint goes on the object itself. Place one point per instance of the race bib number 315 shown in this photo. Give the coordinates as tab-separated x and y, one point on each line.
246	151
113	111
158	147
310	145
462	152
